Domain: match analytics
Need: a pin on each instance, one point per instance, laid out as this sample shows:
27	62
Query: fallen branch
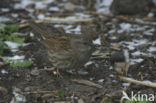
86	82
40	92
149	84
67	20
60	20
120	17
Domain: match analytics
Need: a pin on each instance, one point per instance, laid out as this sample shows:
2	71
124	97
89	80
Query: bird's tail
39	29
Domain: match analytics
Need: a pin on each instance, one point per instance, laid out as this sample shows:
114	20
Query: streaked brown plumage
65	51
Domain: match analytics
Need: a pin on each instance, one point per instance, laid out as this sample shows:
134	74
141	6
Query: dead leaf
35	72
69	6
3	90
49	68
81	101
117	46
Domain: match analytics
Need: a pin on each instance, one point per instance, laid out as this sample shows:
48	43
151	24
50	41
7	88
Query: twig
137	81
86	82
67	20
40	92
60	20
123	18
98	55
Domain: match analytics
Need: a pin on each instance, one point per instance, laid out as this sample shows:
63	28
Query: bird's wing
58	42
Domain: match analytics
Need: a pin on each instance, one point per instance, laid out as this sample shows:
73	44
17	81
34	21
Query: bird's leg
58	73
76	73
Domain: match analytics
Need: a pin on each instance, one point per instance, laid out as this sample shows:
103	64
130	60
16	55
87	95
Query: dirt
39	85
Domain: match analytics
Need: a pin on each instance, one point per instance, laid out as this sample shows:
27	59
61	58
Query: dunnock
65	51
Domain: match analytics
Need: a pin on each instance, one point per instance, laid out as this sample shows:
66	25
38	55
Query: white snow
113	37
82	15
101	80
91	78
147	81
23	4
134	61
139	28
152	49
126	55
5	9
125	26
41	16
3	71
132	45
18	98
97	41
112	31
111	75
77	30
114	81
111	67
149	32
140	42
66	27
78	16
138	53
120	31
54	9
103	5
14	15
126	84
89	63
13	46
38	4
2	19
69	28
31	34
150	15
139	20
16	57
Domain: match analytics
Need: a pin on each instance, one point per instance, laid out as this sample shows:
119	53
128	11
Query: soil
39	85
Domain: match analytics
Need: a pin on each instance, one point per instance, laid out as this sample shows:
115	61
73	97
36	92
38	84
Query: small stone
35	72
131	7
81	101
3	90
27	89
69	6
1	64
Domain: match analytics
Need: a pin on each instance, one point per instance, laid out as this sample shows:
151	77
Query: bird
65	51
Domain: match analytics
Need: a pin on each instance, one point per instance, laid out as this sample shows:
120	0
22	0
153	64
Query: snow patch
126	84
16	57
13	46
103	6
125	26
152	49
4	71
134	61
41	16
101	80
97	41
54	9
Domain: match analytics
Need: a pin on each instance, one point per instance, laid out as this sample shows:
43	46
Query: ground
39	85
